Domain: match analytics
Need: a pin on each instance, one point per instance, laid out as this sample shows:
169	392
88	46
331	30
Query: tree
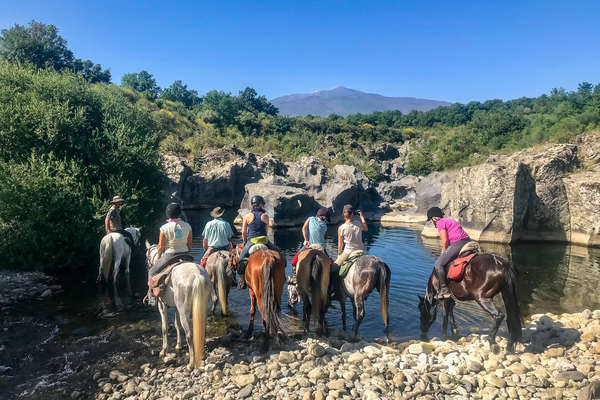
91	72
179	92
249	100
39	44
142	82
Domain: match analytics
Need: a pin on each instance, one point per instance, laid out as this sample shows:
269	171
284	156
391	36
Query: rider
350	234
453	239
113	222
217	235
254	231
313	231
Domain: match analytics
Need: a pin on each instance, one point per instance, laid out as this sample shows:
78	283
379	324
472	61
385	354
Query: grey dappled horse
188	290
220	268
366	274
114	253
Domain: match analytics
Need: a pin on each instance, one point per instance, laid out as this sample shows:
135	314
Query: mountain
344	101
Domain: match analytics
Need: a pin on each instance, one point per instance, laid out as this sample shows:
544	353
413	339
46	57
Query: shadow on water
50	347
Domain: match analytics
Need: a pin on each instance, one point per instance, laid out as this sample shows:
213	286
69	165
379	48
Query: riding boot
444	292
242	272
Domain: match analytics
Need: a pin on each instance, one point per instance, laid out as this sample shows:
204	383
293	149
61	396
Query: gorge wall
549	193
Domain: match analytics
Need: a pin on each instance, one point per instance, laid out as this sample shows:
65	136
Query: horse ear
148	245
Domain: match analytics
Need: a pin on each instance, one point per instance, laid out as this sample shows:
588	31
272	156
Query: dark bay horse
484	277
365	275
313	274
265	277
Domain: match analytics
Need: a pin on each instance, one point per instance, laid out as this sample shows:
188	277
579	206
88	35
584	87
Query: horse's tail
106	258
511	303
221	267
384	291
319	293
270	306
199	311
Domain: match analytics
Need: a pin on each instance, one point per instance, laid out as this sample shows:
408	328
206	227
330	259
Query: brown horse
313	274
365	275
265	277
484	277
221	270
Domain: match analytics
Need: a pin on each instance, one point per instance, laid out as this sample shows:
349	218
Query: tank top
316	231
257	227
176	233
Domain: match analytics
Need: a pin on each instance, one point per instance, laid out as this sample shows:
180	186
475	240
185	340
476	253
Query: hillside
343	101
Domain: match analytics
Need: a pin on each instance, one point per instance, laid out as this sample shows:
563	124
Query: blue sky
454	51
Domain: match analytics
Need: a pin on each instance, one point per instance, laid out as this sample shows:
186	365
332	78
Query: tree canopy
142	82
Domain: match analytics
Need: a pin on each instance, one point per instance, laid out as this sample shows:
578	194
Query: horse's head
428	311
234	253
151	253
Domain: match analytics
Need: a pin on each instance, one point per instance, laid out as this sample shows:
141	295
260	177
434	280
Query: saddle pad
156	279
470	247
345	267
257	247
458	266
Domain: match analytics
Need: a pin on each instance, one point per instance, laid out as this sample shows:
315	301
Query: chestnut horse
485	276
265	277
313	275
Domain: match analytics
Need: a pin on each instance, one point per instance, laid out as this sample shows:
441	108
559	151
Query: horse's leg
128	274
453	324
359	312
178	330
343	308
306	312
116	270
252	312
498	316
445	307
183	312
213	296
162	309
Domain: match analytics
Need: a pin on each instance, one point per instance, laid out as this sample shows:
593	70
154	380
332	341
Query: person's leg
207	254
242	264
440	267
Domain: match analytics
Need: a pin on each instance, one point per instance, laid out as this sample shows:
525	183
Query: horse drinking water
484	277
188	289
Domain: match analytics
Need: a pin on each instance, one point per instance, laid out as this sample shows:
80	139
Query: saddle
257	247
157	283
345	267
457	267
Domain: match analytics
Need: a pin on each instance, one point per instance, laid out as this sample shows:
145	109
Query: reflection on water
81	329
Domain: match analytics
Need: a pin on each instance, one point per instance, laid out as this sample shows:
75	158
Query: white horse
220	268
188	290
114	252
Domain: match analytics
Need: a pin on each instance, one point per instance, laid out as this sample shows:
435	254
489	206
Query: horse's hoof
162	353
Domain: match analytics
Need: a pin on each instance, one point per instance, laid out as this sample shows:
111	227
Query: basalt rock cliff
550	192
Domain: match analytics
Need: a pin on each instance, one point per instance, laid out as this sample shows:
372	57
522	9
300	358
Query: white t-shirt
176	234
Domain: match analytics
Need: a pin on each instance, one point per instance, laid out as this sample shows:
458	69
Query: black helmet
257	200
434	212
173	210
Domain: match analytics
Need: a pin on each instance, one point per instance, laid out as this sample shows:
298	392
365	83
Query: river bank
559	359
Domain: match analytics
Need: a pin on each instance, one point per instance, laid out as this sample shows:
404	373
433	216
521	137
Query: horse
313	275
114	252
188	290
220	268
265	277
484	277
366	274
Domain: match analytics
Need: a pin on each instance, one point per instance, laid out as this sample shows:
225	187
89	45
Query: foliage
142	82
40	45
178	92
81	144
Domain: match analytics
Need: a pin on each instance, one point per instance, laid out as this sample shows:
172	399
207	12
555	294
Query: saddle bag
458	266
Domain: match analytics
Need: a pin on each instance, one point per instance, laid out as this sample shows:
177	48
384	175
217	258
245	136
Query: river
51	347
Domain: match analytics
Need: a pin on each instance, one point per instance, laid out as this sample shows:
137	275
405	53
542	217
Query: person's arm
445	241
340	241
305	232
189	241
245	229
265	218
204	243
363	223
161	245
107	223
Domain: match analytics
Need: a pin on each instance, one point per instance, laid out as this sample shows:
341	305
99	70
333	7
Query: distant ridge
344	101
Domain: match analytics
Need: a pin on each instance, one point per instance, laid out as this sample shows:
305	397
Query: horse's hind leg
252	313
453	324
178	330
128	274
306	312
359	313
162	309
185	324
213	296
343	308
445	312
498	316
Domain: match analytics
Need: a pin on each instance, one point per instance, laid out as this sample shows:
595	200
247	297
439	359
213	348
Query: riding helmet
434	212
257	200
173	210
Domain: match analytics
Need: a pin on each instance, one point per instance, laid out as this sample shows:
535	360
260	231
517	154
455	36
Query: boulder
384	152
583	195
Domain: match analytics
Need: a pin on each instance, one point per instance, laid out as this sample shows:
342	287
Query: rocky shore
19	286
560	358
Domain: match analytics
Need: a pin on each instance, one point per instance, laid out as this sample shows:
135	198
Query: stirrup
443	296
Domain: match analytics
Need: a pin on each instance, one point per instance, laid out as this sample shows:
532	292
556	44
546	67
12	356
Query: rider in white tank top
176	232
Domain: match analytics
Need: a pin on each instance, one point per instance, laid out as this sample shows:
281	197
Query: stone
245	379
47	293
307	395
591	391
316	373
474	365
319	395
75	394
317	350
495	381
245	392
337	384
418	348
114	375
570	375
518	368
356	358
371	395
285	357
